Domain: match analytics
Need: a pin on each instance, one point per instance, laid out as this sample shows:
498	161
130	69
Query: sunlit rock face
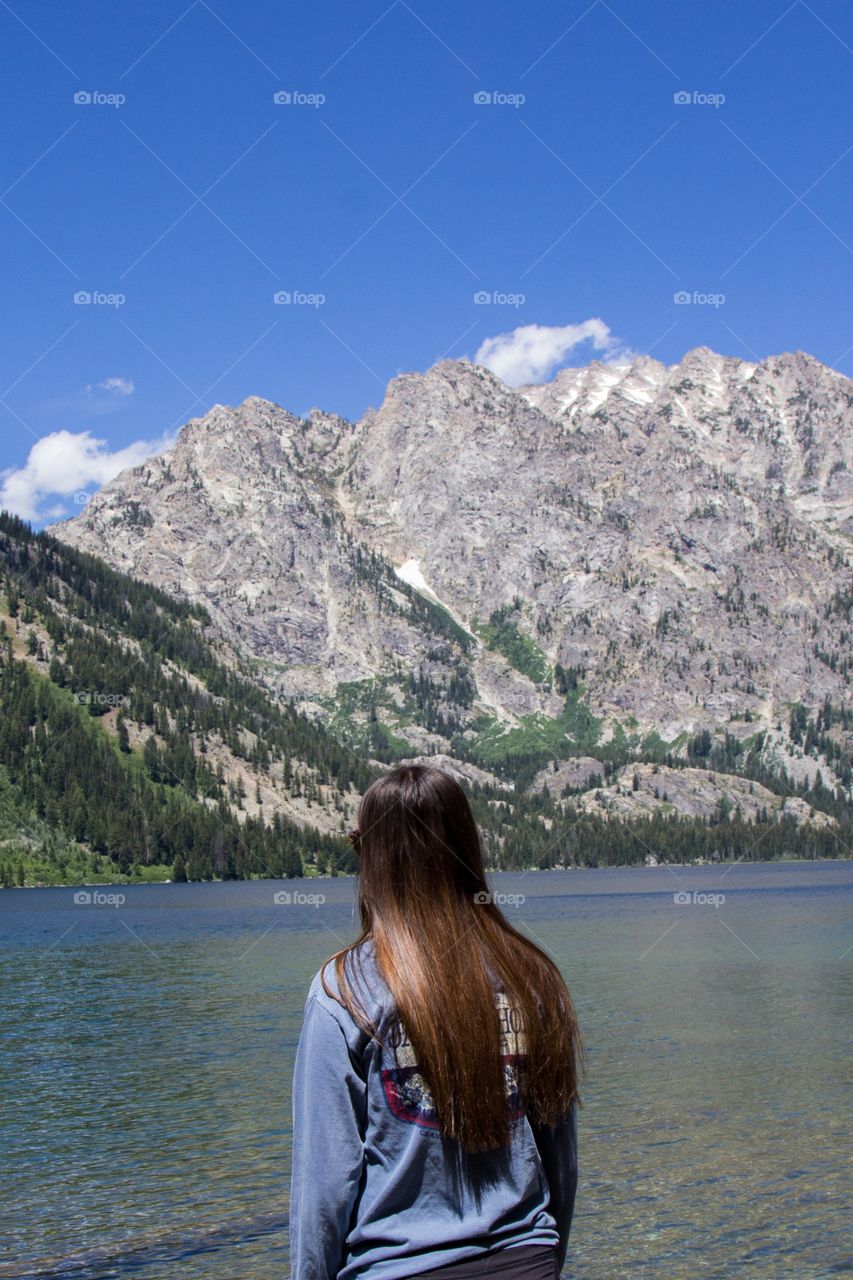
680	534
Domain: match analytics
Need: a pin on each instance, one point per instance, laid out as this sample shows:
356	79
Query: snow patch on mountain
410	571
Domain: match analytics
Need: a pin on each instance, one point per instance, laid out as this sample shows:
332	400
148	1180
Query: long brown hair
440	941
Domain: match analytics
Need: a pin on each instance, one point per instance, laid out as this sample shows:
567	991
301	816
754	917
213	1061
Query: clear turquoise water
147	1050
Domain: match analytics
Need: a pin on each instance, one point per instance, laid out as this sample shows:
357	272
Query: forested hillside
126	731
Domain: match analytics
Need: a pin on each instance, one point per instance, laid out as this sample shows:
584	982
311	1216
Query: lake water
147	1051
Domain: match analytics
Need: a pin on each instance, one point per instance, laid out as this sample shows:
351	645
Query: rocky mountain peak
675	533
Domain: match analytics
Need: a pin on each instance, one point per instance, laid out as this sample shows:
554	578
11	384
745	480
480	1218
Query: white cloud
533	351
65	463
120	386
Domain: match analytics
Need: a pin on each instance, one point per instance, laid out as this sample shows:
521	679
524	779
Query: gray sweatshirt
376	1189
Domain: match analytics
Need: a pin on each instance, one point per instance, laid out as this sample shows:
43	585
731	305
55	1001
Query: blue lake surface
147	1053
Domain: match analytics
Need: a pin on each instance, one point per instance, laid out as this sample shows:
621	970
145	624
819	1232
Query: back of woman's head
418	845
444	949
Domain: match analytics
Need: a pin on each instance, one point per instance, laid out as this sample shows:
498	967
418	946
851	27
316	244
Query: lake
148	1044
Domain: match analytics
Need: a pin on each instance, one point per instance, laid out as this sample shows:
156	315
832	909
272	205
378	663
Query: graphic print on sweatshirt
407	1092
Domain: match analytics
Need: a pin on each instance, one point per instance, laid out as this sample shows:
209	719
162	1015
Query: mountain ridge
672	532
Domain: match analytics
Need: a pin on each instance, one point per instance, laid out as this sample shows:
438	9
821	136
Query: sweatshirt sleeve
558	1150
329	1107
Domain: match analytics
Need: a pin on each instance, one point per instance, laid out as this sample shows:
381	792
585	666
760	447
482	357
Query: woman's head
416	840
444	949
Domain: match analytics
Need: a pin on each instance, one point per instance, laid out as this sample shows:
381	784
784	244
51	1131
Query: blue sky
382	198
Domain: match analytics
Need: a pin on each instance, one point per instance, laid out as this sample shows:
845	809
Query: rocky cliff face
628	550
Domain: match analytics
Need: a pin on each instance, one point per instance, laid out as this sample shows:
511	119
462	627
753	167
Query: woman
436	1078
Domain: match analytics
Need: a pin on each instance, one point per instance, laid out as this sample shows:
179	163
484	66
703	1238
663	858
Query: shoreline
518	871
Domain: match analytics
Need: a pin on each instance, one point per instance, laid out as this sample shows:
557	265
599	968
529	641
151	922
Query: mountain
629	554
618	606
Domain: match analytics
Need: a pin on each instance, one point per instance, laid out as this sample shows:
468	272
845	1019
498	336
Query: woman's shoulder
361	976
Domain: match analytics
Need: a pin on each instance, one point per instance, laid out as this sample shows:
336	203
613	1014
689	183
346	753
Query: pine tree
151	756
123	735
